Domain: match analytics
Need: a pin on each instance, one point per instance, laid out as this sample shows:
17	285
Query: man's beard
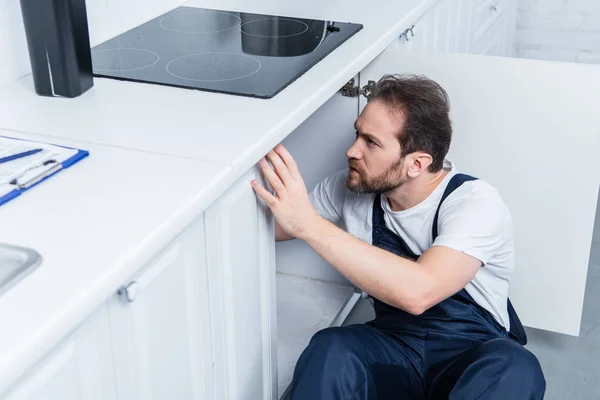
384	183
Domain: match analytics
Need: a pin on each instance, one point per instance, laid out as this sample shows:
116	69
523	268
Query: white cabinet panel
490	26
160	325
486	14
240	242
438	29
463	11
533	131
492	43
79	368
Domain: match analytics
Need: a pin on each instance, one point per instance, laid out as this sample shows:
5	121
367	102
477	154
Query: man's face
374	158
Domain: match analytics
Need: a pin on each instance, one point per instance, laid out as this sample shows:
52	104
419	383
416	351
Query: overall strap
456	182
378	219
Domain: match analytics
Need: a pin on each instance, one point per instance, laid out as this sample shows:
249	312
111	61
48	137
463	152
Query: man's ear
419	162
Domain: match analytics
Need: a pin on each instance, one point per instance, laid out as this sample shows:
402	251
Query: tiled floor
571	364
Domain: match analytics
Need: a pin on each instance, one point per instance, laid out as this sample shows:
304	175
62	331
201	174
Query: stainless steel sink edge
32	259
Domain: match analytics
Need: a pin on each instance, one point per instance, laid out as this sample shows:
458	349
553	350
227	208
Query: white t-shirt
473	219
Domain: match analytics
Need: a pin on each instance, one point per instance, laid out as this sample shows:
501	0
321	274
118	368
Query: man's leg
497	369
358	362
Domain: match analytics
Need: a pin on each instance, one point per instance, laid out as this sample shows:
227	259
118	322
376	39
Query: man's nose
353	151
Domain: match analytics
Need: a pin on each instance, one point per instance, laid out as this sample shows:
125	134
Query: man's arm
410	286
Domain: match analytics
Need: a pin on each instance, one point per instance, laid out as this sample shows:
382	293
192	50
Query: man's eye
371	143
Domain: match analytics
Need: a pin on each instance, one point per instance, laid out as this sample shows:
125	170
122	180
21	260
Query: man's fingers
280	167
288	160
264	194
272	178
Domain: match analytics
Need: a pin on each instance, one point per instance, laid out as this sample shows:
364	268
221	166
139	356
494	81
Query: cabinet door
160	325
493	41
491	27
532	130
79	368
463	10
510	27
437	29
241	267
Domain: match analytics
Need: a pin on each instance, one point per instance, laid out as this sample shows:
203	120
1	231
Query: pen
19	155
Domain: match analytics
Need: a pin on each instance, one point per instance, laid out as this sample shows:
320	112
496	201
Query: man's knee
331	363
518	364
335	342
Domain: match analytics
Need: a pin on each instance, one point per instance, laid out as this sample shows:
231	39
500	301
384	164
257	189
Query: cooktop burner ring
302	26
252	64
233	21
126	50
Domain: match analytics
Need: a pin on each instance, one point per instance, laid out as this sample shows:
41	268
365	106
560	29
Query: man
433	247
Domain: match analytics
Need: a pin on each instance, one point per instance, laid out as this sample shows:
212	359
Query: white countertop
230	129
94	225
94	228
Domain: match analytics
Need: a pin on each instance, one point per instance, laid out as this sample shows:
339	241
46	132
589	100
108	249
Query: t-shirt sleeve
478	225
328	196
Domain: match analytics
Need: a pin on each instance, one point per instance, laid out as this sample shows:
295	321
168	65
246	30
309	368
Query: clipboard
58	166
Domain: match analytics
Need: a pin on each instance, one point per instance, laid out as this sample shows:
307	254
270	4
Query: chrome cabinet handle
411	32
405	33
129	292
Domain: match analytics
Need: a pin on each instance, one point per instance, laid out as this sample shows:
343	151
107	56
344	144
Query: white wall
106	19
14	60
559	30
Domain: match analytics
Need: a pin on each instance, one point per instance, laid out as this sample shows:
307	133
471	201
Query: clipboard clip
37	178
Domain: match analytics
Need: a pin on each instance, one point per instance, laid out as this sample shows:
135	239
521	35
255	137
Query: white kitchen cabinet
490	26
533	132
241	266
80	367
439	29
465	26
492	41
160	325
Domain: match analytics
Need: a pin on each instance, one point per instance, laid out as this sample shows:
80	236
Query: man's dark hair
424	107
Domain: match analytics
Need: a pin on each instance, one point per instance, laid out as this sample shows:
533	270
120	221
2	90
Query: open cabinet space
304	307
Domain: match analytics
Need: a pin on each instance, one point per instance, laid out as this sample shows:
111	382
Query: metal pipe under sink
15	263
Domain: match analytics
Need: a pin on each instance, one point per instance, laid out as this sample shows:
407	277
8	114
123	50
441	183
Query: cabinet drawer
486	14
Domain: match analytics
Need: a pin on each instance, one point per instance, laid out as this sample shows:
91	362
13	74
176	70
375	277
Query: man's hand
291	205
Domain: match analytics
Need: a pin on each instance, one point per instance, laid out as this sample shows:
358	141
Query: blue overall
454	350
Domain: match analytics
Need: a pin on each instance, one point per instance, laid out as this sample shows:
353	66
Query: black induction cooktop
220	51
